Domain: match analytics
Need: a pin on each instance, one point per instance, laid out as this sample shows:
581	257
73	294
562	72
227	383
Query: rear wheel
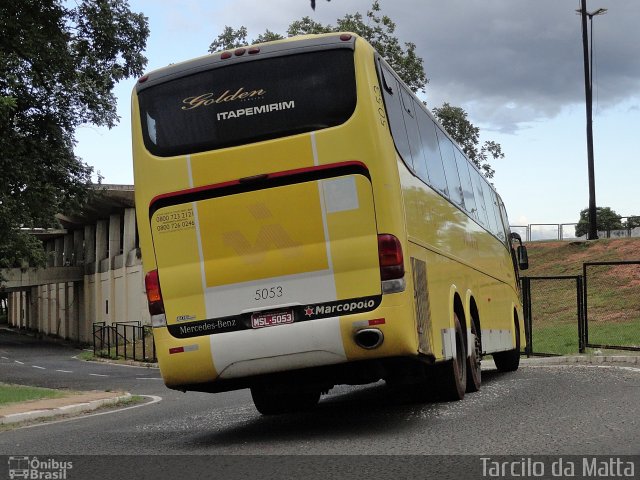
474	373
509	361
274	400
451	376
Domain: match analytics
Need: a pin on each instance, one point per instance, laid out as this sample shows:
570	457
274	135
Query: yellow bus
305	222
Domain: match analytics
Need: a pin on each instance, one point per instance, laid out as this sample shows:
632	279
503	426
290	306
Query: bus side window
450	169
505	219
467	187
393	104
500	232
435	170
411	122
491	209
477	180
388	82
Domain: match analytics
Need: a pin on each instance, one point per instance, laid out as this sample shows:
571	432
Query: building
93	274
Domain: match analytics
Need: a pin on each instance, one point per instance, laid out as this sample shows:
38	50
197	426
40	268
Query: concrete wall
111	289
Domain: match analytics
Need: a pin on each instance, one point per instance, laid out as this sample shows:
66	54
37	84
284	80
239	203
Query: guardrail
567	231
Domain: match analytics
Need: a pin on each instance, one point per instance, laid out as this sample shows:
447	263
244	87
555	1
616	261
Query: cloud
515	61
507	62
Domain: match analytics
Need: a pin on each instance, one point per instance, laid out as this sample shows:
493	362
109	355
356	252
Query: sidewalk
71	405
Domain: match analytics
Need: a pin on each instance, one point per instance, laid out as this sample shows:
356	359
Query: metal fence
567	231
553	310
124	340
598	309
609	284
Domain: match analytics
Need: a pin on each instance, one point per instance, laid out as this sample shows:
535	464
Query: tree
229	39
606	219
379	31
455	121
59	63
632	222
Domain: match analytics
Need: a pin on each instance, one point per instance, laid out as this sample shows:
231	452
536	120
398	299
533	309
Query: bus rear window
249	102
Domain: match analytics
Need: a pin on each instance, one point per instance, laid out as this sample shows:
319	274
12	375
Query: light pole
588	84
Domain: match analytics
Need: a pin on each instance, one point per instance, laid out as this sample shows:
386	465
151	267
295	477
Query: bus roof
289	46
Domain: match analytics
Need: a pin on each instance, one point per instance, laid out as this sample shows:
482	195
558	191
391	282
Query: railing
124	340
567	231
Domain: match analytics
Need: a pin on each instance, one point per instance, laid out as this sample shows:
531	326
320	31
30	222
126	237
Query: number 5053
267	293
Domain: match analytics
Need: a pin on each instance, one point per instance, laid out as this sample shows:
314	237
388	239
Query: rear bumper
236	359
323	377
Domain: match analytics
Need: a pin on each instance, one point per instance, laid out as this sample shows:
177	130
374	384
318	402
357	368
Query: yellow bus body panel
232	250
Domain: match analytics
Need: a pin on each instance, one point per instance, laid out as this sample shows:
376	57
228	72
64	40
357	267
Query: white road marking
148	378
4	358
98	375
36	366
18	361
64	371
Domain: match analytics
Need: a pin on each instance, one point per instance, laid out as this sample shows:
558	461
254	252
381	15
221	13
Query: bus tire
277	400
509	361
451	376
474	372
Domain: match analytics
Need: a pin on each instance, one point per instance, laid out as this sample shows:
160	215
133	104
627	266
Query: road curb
72	409
125	363
582	359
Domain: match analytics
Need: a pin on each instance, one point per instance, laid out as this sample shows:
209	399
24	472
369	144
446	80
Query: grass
105	353
563	339
612	297
18	393
627	334
559	339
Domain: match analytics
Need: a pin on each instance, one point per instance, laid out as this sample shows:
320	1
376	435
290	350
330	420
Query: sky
515	66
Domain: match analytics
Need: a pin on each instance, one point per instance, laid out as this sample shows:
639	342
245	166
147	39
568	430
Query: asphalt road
545	410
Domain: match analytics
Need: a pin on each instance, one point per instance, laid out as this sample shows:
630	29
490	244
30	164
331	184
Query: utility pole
588	84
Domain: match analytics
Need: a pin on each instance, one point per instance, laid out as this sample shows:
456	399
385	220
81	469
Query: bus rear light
390	257
239	51
154	294
253	51
225	55
143	79
345	37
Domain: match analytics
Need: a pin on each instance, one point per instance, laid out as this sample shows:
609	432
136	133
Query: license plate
271	319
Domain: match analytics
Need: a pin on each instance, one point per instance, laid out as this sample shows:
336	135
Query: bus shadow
366	410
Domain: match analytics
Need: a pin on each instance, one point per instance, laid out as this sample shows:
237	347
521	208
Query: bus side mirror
523	258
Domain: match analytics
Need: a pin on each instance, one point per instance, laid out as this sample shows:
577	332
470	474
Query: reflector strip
368	323
186	348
